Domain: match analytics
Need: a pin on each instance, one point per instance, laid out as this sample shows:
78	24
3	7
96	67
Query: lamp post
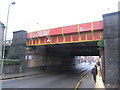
5	33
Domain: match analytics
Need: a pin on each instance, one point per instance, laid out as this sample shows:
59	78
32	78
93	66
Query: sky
35	15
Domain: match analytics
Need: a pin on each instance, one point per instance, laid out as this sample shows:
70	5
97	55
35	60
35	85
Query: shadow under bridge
60	54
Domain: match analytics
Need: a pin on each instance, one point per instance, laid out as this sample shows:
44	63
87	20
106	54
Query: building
2	27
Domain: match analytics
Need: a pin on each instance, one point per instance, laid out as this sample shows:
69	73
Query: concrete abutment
111	39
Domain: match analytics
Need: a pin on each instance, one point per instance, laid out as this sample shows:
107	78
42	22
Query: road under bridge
59	46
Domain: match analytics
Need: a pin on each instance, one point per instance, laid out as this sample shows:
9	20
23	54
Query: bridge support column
18	47
111	40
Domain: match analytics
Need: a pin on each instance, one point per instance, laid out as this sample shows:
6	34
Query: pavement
88	82
19	75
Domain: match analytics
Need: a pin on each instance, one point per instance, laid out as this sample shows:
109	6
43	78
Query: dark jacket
94	71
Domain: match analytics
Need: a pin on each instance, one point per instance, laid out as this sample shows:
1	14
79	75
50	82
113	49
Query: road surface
66	79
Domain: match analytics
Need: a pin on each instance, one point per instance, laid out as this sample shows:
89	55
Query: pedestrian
43	67
94	72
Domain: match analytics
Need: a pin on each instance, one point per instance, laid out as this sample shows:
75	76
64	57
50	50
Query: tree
101	43
13	54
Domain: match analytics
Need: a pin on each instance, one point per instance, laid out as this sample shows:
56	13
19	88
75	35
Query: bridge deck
70	34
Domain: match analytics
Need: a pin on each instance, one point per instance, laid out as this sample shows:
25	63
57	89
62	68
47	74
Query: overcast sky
34	15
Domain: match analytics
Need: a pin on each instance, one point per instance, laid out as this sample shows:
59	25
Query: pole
6	32
6	29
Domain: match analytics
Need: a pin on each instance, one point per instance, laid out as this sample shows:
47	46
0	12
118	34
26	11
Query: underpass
54	52
59	46
58	61
43	46
60	56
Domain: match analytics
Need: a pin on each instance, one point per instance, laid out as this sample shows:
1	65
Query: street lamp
5	33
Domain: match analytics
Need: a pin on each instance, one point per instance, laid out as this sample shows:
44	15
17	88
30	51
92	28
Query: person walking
94	72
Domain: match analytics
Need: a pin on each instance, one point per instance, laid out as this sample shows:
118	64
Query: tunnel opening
88	60
60	57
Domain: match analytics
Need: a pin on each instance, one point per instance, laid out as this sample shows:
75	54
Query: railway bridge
56	47
67	42
77	39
